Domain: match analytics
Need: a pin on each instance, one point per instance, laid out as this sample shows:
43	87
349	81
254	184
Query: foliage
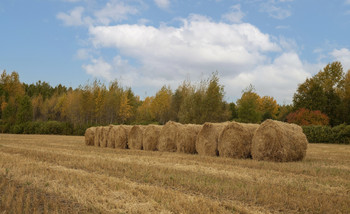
325	134
323	92
305	117
248	106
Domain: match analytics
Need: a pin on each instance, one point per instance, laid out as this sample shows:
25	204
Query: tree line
40	108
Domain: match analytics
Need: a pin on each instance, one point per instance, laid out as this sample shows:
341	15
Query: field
59	174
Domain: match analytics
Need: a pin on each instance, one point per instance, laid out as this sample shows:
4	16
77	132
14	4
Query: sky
146	44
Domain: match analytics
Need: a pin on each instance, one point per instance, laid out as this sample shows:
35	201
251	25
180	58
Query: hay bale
167	138
111	136
186	138
207	139
97	136
151	137
104	135
135	137
90	136
278	141
121	136
235	140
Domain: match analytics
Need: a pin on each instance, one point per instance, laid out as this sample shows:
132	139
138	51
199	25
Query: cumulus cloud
235	15
73	17
99	68
164	4
114	11
342	55
168	55
197	46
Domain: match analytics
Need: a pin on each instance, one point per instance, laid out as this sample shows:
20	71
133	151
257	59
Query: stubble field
59	174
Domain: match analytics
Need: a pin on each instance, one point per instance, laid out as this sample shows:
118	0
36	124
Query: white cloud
164	4
235	15
342	55
73	18
114	11
200	45
99	68
168	55
275	9
83	54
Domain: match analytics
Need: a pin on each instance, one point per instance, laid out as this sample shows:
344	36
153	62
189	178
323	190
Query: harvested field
59	174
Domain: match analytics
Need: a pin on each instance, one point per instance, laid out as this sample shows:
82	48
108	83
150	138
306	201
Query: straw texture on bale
135	137
278	141
167	138
97	136
151	137
186	138
207	139
104	136
235	140
90	136
121	137
112	136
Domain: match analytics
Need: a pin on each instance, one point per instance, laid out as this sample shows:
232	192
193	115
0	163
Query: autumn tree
322	92
160	106
248	106
144	114
268	107
215	109
125	109
305	117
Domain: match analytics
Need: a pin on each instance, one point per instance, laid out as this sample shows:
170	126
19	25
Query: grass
59	174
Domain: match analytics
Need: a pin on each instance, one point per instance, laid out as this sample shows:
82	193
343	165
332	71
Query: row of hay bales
272	140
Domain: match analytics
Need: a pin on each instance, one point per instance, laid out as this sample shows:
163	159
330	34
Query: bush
325	134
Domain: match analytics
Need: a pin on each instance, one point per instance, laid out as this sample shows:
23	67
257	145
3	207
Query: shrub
305	117
325	134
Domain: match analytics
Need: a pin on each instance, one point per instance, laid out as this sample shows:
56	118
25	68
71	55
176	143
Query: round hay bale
104	135
167	138
207	139
90	136
135	137
235	140
121	136
111	136
186	138
151	137
279	141
97	136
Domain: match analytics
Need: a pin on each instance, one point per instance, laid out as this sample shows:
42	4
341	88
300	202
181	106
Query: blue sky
145	44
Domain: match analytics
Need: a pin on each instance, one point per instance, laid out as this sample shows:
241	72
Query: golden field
59	174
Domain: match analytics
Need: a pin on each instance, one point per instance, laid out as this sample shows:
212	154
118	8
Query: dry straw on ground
235	140
90	136
278	141
186	138
135	137
97	136
167	138
151	137
207	139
